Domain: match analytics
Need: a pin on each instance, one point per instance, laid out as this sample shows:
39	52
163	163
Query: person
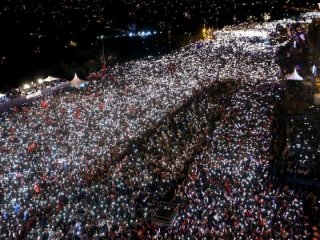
96	172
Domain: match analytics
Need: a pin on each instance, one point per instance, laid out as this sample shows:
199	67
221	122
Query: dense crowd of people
193	126
301	152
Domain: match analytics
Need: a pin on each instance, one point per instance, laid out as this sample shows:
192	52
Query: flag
36	188
32	147
77	113
102	106
44	104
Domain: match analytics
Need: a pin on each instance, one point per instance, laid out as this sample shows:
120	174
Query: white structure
50	79
294	76
77	82
3	97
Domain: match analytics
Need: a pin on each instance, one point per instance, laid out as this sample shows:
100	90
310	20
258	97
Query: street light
102	49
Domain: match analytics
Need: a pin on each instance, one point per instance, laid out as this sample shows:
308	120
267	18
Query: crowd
178	15
301	153
229	193
193	126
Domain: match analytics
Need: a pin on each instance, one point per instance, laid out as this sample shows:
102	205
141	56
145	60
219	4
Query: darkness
35	36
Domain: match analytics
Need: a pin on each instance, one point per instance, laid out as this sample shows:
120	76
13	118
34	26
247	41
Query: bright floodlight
26	86
40	80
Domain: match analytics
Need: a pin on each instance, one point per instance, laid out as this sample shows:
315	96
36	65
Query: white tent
50	79
77	82
294	76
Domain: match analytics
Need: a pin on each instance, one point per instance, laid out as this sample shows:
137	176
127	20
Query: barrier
20	101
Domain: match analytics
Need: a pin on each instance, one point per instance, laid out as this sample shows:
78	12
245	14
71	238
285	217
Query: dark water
60	39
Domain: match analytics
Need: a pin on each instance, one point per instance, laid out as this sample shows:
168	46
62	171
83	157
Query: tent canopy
77	82
50	79
294	76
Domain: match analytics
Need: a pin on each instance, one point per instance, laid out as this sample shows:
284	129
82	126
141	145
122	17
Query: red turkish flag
32	147
102	106
77	113
36	188
44	104
15	109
